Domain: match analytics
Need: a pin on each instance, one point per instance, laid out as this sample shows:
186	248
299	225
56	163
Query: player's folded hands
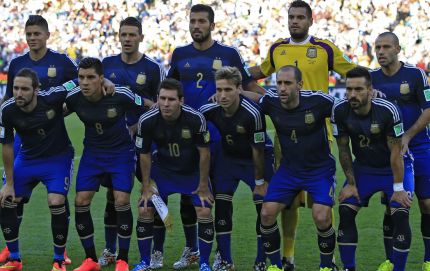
261	190
348	191
205	195
146	193
403	198
7	191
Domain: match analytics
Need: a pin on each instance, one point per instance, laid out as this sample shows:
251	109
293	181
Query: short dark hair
131	21
358	72
391	35
204	8
92	62
301	4
29	73
37	20
172	84
297	72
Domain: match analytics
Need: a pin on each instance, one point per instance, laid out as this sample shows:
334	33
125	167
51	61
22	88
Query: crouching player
374	127
180	166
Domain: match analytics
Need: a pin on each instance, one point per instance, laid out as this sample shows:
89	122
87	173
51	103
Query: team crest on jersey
112	113
112	76
309	117
141	79
217	64
52	71
50	114
240	129
186	133
404	88
374	128
311	52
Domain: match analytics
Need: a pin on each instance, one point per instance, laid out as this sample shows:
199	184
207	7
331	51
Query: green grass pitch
36	239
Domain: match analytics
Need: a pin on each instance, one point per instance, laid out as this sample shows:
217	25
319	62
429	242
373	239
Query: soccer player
142	75
315	58
108	155
52	68
307	164
375	128
407	86
46	156
194	66
181	165
242	128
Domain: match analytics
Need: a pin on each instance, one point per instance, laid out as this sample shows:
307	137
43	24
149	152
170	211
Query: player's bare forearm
419	125
256	73
251	95
145	168
258	159
8	157
204	164
254	87
345	158
396	159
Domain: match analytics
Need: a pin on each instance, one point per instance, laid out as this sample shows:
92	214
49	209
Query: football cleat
4	255
156	260
273	268
287	265
326	269
11	265
426	266
121	266
88	265
188	258
107	258
67	260
225	266
58	266
260	266
205	267
142	266
386	266
217	261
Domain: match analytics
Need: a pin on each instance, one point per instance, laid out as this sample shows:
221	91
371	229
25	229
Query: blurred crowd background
90	28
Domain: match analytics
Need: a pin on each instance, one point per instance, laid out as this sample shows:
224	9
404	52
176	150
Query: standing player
46	156
52	68
142	75
194	66
407	87
307	164
315	58
374	127
181	165
242	128
108	155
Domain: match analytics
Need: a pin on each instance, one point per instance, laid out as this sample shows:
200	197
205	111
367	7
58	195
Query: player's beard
202	39
26	103
299	36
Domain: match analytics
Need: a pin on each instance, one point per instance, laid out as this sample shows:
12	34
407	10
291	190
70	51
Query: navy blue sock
272	240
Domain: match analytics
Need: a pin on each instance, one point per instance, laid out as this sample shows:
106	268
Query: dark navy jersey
410	91
246	128
42	130
176	141
196	70
369	133
302	132
53	69
142	77
104	120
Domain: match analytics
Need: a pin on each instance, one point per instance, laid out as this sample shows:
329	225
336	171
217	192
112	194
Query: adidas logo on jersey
187	65
112	75
283	53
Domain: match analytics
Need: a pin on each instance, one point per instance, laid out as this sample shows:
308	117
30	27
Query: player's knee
56	199
268	216
223	215
203	212
147	213
121	198
402	230
322	217
424	206
82	199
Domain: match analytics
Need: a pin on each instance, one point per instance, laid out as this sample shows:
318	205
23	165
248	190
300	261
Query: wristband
259	181
398	187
